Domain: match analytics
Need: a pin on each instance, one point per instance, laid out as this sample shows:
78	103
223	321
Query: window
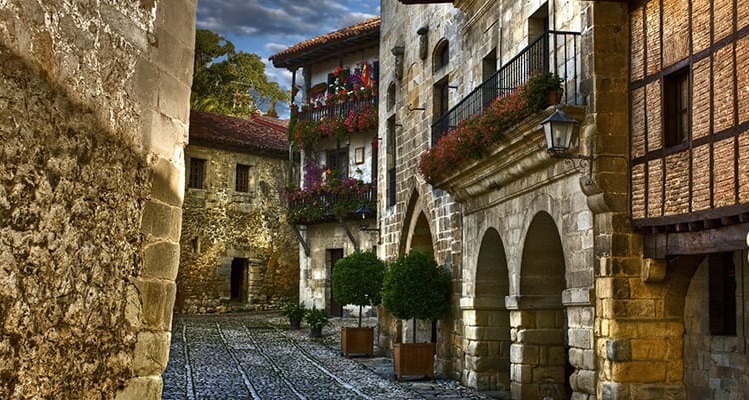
196	179
722	281
391	97
441	55
337	160
243	178
391	161
676	93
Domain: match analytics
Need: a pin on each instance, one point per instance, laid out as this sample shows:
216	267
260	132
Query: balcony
335	108
328	202
555	52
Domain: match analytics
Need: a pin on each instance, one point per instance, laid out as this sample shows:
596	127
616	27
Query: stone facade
95	108
237	251
565	287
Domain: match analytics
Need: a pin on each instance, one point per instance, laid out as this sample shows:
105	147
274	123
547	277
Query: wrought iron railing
334	109
325	204
554	51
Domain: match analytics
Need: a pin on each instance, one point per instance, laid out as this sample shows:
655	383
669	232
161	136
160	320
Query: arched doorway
538	319
487	321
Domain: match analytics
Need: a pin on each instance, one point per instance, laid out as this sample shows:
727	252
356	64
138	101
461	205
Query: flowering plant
469	139
333	197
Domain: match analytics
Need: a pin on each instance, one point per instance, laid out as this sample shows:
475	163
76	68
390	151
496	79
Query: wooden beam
727	238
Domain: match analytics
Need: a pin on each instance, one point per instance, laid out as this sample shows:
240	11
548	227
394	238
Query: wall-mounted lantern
558	129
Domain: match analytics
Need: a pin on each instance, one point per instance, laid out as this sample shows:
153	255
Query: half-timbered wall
706	175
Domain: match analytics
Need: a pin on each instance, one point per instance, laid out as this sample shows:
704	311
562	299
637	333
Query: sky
265	27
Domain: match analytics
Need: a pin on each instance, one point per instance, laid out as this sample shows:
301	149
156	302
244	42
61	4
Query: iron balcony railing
330	110
326	204
554	51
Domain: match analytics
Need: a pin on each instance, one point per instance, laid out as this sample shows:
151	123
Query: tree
228	81
357	280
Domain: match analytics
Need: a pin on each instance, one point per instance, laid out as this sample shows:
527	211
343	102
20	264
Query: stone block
141	388
524	354
161	260
615	391
157	300
524	319
581	338
151	353
541	336
521	373
168	184
161	221
585	381
618	350
639	371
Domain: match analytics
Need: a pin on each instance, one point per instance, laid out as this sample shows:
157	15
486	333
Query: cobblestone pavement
255	356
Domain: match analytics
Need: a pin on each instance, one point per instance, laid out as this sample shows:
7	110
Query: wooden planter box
357	341
413	359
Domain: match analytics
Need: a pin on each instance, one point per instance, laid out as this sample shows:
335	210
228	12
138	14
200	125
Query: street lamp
364	211
558	130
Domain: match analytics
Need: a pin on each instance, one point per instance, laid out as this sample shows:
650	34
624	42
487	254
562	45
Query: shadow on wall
72	196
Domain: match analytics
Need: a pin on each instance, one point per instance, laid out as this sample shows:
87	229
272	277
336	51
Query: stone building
236	250
334	127
611	269
95	105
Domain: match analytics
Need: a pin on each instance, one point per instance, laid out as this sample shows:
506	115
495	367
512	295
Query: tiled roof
263	134
364	33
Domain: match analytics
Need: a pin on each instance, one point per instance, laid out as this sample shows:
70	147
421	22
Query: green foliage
416	287
316	318
227	81
357	279
294	311
538	88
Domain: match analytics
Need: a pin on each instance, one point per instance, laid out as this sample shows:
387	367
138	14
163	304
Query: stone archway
487	321
538	352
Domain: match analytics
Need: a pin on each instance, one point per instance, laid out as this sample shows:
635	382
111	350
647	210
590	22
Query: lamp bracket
579	162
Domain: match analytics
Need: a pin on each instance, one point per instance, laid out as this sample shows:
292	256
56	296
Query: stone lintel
584	296
482	303
530	302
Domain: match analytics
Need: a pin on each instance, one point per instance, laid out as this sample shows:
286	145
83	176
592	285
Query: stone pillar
537	352
486	344
164	77
579	303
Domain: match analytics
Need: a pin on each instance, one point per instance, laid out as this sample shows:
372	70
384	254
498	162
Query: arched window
441	54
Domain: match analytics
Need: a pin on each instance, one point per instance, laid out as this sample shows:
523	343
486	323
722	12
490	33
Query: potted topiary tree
415	287
295	312
316	319
357	279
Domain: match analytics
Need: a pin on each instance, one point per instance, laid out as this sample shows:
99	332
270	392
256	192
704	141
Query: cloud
266	27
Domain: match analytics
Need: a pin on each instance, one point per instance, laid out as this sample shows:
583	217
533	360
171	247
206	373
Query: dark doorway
334	255
239	279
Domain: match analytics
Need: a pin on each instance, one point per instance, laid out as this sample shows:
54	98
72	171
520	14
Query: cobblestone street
254	356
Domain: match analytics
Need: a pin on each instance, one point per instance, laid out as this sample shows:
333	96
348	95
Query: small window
391	97
243	178
197	173
337	161
676	108
722	280
441	55
391	149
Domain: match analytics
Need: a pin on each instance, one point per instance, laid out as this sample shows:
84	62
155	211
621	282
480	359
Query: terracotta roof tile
263	134
319	46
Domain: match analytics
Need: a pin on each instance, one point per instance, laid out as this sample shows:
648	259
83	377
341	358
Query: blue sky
265	27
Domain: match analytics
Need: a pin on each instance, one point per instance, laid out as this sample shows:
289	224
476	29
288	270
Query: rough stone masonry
94	106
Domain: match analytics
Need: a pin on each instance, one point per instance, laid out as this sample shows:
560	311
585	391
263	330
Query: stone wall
95	105
220	225
441	229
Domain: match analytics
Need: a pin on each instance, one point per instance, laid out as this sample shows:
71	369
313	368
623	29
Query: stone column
486	344
537	352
